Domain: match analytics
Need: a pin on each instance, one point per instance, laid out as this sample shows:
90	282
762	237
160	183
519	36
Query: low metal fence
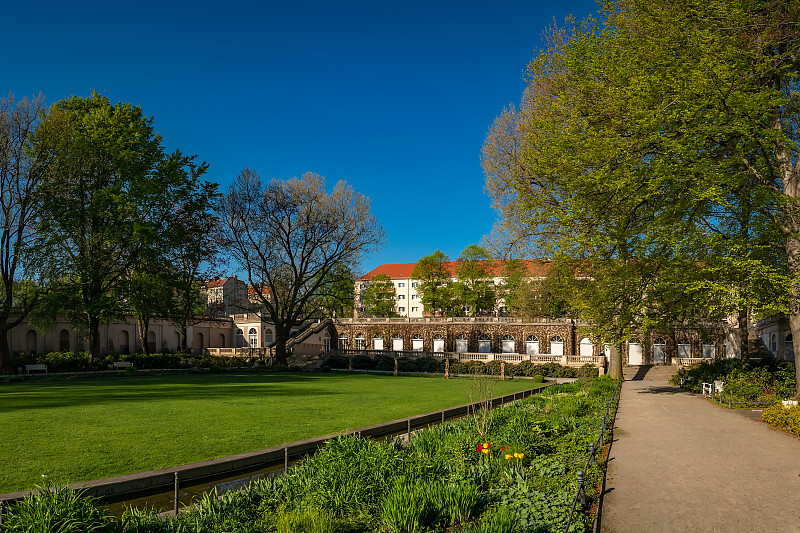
594	449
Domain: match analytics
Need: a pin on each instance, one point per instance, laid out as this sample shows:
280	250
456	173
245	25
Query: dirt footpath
680	463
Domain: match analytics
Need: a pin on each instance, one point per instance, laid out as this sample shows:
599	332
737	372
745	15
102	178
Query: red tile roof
536	267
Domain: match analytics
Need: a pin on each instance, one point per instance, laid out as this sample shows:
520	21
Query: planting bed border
130	486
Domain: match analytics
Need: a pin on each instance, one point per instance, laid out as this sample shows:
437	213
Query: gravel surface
681	463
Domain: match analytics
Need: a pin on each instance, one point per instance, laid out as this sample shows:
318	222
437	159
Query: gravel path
681	463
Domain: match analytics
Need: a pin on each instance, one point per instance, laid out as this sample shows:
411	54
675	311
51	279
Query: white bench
711	388
119	365
35	368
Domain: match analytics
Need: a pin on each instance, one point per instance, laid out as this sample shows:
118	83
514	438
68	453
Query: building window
708	351
343	342
507	344
360	342
401	296
484	344
414	296
773	344
556	346
684	349
401	285
401	309
414	309
414	284
532	345
397	343
586	347
252	337
416	343
461	343
438	343
377	342
239	338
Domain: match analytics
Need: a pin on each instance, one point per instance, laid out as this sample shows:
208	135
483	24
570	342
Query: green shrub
57	510
410	507
787	419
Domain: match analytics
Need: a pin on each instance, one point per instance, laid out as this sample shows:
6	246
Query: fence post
286	459
591	453
177	494
581	492
409	431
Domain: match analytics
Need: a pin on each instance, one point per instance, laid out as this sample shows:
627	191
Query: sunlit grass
84	430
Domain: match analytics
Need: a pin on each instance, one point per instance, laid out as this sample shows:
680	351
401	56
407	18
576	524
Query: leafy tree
379	296
337	294
434	276
290	237
638	134
23	163
472	288
109	200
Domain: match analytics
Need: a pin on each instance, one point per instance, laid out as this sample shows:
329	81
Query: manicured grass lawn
84	430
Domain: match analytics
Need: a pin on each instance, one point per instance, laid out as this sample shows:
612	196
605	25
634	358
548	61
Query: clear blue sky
393	97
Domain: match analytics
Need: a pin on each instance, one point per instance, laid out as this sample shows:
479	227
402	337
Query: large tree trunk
94	337
615	365
5	353
744	335
281	355
143	325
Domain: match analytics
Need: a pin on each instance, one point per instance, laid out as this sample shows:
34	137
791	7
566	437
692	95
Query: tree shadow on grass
155	388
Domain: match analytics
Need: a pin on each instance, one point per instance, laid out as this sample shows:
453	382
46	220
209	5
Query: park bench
35	368
711	388
119	365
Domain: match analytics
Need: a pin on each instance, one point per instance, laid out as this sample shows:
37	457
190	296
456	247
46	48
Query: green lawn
84	430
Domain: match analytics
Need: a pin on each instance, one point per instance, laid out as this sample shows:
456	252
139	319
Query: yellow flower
508	456
519	455
485	450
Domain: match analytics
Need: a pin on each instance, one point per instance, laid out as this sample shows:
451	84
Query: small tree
379	296
472	288
434	278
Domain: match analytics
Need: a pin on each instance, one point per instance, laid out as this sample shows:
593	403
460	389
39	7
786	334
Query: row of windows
461	344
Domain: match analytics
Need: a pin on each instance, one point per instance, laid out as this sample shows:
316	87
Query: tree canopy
112	204
289	237
657	146
379	297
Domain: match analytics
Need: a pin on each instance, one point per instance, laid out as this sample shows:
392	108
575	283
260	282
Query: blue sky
393	97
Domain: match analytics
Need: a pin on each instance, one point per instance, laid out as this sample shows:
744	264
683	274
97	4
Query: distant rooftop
536	267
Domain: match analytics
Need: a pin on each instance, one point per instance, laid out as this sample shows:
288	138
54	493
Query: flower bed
519	475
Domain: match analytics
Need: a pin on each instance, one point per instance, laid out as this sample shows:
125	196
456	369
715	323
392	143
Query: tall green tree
108	201
434	276
474	287
637	127
379	296
337	294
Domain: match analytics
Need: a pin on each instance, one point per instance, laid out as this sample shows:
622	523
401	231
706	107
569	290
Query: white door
556	346
397	344
586	347
377	343
634	353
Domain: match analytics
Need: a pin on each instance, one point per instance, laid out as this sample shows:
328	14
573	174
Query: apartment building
408	302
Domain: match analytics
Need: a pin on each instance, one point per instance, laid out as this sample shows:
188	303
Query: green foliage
56	510
759	381
434	277
787	419
379	297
